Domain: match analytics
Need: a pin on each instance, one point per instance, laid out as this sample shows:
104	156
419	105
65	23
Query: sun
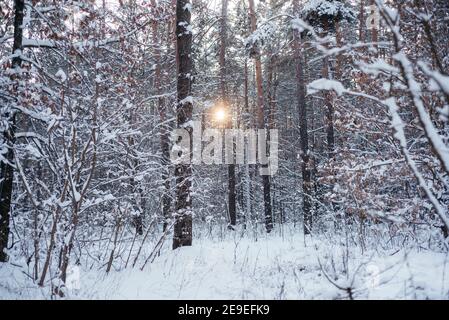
220	115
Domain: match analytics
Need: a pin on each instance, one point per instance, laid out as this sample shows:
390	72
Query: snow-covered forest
224	149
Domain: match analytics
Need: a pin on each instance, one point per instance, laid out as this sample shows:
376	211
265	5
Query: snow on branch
438	80
259	38
38	43
326	84
326	13
398	126
414	89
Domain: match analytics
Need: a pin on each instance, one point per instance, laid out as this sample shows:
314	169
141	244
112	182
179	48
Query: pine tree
183	172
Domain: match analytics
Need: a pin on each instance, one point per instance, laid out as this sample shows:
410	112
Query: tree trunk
362	21
247	123
304	137
271	101
374	31
183	224
164	132
261	123
231	167
7	165
328	98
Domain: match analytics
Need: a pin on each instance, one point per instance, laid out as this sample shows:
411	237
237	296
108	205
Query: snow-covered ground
273	267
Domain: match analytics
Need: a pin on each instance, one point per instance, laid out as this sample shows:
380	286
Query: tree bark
362	21
304	137
183	219
164	131
328	98
7	165
231	167
260	115
247	122
374	31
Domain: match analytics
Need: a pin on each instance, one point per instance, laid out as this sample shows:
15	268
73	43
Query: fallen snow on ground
273	267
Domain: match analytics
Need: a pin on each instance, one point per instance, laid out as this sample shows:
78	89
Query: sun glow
220	115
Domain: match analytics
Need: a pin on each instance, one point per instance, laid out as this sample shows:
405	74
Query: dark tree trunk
231	167
267	203
7	166
261	122
232	196
304	137
223	43
183	219
329	112
362	21
328	98
270	115
374	31
166	199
